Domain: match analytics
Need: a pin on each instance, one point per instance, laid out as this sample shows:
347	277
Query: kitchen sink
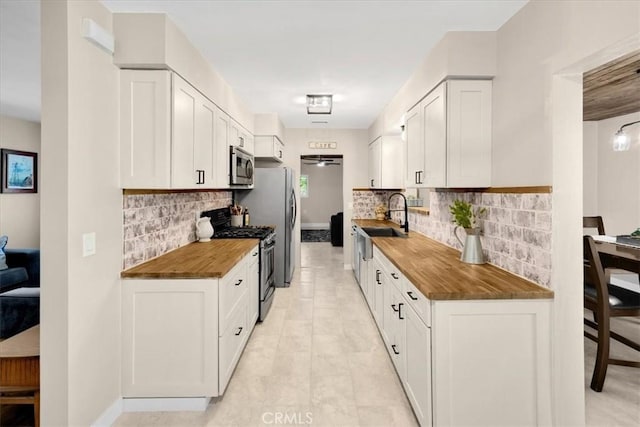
384	232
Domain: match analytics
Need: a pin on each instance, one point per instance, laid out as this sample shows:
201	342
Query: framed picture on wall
19	171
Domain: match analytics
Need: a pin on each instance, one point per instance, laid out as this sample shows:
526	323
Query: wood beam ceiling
612	89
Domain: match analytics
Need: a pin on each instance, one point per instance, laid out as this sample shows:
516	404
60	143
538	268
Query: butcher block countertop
196	260
436	270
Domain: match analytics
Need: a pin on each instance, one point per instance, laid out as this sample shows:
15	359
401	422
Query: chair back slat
594	222
594	273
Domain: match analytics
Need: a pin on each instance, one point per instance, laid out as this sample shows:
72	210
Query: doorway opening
321	199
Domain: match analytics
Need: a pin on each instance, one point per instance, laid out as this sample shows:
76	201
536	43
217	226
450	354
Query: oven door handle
270	291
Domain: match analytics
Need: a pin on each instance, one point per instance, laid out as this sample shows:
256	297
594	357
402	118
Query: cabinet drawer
232	288
395	276
231	344
418	302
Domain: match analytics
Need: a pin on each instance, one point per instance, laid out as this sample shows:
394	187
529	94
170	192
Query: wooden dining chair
605	301
593	222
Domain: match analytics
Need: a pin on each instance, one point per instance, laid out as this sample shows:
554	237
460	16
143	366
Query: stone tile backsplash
516	227
154	224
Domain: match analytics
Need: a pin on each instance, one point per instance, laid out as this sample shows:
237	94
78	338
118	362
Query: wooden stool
20	370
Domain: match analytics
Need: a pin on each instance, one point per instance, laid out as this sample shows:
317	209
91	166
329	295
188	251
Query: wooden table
619	256
20	370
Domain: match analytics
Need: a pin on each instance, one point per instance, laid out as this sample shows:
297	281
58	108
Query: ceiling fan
322	160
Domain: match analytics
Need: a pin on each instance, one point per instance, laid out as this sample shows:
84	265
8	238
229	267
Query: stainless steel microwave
241	170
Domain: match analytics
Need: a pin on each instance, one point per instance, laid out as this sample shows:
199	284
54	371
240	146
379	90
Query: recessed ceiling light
319	104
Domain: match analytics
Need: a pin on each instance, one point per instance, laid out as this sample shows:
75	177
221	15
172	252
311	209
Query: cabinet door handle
239	331
241	139
200	176
372	183
394	276
416	178
203	177
280	155
411	296
394	349
255	254
378	277
393	306
420	177
400	311
239	281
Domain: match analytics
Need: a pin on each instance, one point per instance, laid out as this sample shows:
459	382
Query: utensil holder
236	220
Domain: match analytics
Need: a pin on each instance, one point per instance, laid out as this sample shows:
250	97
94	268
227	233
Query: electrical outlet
89	244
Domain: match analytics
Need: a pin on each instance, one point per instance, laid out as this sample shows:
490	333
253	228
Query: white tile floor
317	359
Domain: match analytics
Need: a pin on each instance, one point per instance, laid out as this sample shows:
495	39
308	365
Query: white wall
80	300
20	213
614	193
325	194
353	146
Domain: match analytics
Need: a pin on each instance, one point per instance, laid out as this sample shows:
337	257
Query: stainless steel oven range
221	221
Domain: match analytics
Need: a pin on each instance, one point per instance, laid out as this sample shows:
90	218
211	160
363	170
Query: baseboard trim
314	226
110	415
166	404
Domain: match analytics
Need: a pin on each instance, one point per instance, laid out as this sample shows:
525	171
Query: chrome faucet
406	211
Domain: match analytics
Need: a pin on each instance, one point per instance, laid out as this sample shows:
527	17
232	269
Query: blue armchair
23	271
19	291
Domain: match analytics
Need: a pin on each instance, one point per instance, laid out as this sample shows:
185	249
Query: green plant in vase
465	216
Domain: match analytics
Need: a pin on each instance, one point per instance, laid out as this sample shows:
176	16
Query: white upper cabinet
469	133
145	129
374	163
449	136
385	162
222	164
192	148
415	148
172	136
268	147
240	137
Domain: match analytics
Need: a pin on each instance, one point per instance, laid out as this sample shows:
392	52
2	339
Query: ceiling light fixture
621	140
319	104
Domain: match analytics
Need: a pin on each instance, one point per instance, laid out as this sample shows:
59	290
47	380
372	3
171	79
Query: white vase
204	229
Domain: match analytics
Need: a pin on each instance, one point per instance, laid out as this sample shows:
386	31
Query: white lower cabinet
170	338
184	337
417	380
465	362
232	342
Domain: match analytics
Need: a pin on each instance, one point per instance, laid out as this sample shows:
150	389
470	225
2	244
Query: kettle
471	248
204	229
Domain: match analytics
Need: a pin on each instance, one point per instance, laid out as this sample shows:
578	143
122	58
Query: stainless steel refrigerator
273	202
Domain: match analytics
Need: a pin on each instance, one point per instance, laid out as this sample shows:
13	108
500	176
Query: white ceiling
273	53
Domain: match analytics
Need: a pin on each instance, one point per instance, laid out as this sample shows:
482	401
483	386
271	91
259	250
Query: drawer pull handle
400	311
378	277
255	254
394	349
239	331
411	296
239	281
393	306
394	276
